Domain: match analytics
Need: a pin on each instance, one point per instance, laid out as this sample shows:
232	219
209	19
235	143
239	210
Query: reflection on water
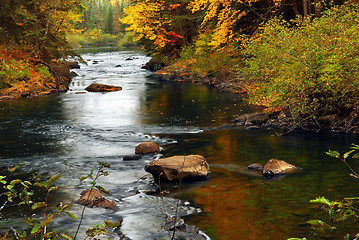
70	133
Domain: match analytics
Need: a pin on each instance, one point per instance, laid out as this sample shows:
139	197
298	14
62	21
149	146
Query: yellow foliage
147	20
225	13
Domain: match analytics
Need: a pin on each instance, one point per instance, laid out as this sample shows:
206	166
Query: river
69	133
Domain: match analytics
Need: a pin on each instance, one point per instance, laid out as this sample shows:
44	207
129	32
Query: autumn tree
168	25
40	25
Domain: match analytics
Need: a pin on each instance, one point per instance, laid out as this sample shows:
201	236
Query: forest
295	56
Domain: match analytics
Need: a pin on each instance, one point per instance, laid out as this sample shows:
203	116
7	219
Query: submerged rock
255	166
147	147
176	168
132	157
93	197
275	166
97	87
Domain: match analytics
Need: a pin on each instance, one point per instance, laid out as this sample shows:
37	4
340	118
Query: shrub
310	66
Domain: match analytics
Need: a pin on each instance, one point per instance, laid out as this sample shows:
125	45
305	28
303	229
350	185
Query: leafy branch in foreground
338	211
20	192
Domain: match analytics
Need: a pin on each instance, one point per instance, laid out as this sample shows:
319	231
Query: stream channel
69	133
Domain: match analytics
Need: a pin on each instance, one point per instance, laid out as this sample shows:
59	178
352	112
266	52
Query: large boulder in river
147	147
275	167
179	168
97	87
94	198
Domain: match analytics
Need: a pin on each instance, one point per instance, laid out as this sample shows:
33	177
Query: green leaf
41	184
10	186
53	188
13	168
296	239
104	190
14	182
346	155
66	236
71	215
104	164
38	205
334	154
53	179
320	226
36	228
321	200
83	178
355	155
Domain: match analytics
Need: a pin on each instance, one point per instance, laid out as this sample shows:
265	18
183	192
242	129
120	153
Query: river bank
37	84
279	120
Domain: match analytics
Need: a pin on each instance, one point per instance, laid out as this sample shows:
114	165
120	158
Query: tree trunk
305	8
295	8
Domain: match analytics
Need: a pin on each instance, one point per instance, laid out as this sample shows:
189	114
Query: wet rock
176	168
73	74
118	66
154	64
93	197
129	59
132	157
95	62
250	119
97	87
72	65
275	166
256	167
147	147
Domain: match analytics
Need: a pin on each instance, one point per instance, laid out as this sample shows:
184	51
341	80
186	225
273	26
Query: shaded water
68	134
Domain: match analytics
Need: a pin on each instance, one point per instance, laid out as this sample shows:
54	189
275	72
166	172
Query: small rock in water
132	157
97	87
93	197
176	168
147	147
275	166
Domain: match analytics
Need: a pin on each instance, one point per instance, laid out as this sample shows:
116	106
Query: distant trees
103	15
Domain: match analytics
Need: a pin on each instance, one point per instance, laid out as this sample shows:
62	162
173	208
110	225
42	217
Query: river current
69	133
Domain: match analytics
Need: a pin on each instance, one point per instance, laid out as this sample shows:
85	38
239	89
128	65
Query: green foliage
204	62
20	192
310	66
14	70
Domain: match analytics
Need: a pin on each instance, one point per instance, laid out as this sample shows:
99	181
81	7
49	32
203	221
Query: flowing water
69	133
